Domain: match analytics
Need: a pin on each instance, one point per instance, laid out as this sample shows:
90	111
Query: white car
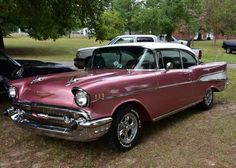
83	55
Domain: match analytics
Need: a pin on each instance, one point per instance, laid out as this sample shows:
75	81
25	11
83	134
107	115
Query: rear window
145	39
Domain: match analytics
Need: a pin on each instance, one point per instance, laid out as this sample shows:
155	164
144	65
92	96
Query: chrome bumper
80	129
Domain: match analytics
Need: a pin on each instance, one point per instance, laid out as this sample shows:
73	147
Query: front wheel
125	130
228	50
208	99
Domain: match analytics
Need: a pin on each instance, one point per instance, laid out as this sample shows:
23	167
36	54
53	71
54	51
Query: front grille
46	114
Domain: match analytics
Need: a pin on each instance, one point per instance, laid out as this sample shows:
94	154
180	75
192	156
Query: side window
127	58
171	57
145	39
125	40
188	60
147	61
105	59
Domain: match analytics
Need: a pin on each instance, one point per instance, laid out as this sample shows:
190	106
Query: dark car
229	46
11	69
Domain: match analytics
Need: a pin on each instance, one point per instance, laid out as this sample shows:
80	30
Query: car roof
152	45
137	35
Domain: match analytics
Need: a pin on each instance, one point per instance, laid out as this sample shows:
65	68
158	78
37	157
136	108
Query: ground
192	138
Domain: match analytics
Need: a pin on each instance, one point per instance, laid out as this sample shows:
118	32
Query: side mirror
169	65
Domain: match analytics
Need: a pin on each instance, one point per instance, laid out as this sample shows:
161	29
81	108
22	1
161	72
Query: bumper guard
82	130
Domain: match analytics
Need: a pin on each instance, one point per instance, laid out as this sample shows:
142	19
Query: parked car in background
124	86
172	39
229	46
11	69
83	55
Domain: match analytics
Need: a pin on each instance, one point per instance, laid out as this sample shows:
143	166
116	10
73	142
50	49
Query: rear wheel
208	99
125	130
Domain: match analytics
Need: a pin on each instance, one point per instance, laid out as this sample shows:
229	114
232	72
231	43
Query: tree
175	13
127	9
220	17
146	21
110	25
7	19
229	18
166	16
49	19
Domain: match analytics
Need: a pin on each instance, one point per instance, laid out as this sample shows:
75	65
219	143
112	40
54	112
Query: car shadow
31	51
149	129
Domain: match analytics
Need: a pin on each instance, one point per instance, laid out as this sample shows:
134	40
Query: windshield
123	58
2	57
7	66
113	41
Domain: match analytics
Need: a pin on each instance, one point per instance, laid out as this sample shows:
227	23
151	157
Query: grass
64	49
229	95
214	53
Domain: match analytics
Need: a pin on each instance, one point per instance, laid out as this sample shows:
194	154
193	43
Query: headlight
12	92
81	97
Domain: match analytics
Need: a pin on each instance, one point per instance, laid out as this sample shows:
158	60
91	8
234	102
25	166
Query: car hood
55	89
231	43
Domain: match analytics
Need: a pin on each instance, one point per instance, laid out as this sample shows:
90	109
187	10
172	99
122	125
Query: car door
174	82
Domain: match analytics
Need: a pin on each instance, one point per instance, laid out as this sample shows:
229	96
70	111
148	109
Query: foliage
166	16
127	9
50	19
220	16
229	17
111	24
146	21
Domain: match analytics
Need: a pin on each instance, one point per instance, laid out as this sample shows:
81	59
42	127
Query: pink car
124	86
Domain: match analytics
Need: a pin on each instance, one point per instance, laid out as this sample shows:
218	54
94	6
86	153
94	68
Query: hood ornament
72	80
37	79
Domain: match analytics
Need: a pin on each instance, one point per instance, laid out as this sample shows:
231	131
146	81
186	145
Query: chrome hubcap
208	97
127	128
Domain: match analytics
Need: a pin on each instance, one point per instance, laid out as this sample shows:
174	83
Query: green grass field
64	49
214	53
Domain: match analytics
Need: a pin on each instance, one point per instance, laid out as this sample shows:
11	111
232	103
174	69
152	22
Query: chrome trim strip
176	84
220	75
141	91
126	94
37	79
30	105
175	111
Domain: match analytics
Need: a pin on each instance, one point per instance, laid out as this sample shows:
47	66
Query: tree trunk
2	47
168	37
130	31
199	37
214	39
